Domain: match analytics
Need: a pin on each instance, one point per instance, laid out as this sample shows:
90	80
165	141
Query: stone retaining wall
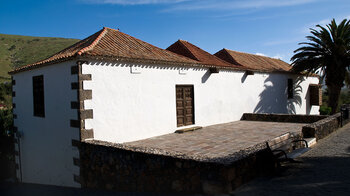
292	118
103	166
319	125
322	128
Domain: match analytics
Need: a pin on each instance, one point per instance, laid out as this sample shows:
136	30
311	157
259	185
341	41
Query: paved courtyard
219	140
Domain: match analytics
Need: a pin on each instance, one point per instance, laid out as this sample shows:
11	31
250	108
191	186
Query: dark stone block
85	77
76	161
86	114
74	69
75	123
86	134
76	143
74	85
85	94
74	105
76	178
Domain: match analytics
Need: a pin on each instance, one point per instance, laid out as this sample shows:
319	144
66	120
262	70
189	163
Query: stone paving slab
220	140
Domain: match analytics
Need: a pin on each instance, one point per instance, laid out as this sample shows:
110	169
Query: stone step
311	141
298	152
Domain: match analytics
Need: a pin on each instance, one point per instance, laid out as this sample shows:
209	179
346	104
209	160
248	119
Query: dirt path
325	171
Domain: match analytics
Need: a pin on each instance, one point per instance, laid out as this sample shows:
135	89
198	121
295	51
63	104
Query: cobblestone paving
325	171
219	140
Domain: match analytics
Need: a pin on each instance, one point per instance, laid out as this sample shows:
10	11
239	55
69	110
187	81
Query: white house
114	87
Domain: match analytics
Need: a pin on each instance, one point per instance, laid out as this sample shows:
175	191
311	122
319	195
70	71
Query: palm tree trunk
333	101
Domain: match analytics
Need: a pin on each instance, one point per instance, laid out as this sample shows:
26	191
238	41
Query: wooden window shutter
290	89
315	94
38	96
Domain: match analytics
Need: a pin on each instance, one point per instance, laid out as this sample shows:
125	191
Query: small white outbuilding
116	88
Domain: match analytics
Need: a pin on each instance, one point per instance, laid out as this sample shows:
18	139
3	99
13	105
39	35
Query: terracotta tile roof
64	54
189	50
114	44
252	61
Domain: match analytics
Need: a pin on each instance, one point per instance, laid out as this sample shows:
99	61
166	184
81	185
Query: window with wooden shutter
315	94
184	105
38	96
290	89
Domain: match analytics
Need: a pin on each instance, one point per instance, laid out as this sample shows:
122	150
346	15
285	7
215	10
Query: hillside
17	50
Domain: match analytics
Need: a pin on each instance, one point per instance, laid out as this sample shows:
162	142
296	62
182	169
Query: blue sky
270	27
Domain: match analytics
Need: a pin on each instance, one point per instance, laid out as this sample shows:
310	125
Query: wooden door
184	105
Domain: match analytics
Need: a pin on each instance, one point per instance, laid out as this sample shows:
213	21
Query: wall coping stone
325	120
292	118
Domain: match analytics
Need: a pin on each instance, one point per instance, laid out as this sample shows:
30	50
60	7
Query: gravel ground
325	170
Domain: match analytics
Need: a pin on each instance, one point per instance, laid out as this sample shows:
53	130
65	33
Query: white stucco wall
46	145
131	106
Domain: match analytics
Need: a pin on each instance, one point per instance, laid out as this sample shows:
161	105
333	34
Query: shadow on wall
206	76
307	98
274	98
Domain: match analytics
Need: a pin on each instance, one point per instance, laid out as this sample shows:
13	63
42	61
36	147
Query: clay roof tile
112	43
252	61
189	50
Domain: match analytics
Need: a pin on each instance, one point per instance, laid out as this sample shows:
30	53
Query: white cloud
207	4
234	5
132	2
277	56
260	54
324	22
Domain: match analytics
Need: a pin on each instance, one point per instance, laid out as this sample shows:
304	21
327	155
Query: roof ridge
209	53
94	43
144	42
229	56
212	56
252	54
186	48
193	46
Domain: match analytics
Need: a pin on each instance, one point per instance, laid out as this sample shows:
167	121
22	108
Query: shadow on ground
315	176
17	189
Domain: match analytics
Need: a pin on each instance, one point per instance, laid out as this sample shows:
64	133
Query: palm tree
327	53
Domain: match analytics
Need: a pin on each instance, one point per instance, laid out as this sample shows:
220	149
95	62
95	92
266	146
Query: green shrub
7	169
324	110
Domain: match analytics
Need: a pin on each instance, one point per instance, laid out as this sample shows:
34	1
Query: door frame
193	105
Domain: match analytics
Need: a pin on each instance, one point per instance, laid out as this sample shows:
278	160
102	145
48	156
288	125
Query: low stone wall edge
323	127
291	118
